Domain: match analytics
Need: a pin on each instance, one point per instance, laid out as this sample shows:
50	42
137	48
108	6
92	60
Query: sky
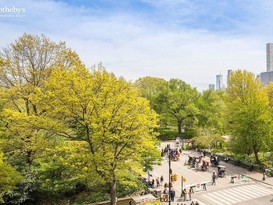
192	40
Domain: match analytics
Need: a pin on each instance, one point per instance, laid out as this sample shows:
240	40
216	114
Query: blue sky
192	40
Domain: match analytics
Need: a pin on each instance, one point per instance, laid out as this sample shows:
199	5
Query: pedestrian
166	191
153	183
184	192
190	192
172	194
161	180
157	182
213	178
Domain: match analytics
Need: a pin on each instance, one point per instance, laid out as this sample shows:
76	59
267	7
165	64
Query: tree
210	118
211	107
150	88
179	102
105	113
25	65
248	114
269	91
207	137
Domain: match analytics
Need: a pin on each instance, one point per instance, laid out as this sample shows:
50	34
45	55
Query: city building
211	86
228	75
269	57
267	77
219	82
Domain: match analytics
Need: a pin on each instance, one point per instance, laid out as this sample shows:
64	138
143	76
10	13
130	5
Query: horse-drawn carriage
174	155
193	161
214	161
205	165
221	171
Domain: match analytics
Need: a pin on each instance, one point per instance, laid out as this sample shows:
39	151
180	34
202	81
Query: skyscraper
267	77
211	87
269	57
219	82
228	75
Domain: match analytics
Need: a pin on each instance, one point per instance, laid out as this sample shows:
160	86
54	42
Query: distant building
211	86
219	82
269	57
228	75
267	77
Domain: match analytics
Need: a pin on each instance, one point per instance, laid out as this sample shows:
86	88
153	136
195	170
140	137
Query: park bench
203	185
232	179
243	178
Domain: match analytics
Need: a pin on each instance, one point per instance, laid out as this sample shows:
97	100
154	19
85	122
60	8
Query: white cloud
133	46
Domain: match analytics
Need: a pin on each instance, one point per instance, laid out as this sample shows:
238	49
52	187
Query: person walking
161	180
213	178
157	182
172	194
153	183
185	194
190	192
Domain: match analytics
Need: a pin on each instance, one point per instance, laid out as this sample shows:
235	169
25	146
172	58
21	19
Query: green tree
207	137
211	110
25	65
109	117
269	90
210	118
248	114
150	88
178	102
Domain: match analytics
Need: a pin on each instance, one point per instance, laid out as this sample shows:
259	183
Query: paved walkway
231	169
195	176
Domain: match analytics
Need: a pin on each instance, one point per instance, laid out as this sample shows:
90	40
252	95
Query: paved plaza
224	192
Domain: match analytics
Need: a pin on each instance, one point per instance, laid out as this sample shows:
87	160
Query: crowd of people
167	189
155	183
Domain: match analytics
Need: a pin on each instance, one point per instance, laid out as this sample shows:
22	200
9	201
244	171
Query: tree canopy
178	101
106	113
248	114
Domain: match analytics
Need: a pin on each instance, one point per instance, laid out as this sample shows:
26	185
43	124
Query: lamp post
170	172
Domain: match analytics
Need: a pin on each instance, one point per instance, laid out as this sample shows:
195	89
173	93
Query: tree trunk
179	126
113	189
255	150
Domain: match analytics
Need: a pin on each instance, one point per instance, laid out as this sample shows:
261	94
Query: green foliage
178	102
24	190
211	110
9	177
108	116
130	184
248	115
208	138
65	168
171	134
150	87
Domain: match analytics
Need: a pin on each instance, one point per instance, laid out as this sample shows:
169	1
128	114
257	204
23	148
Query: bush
172	134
